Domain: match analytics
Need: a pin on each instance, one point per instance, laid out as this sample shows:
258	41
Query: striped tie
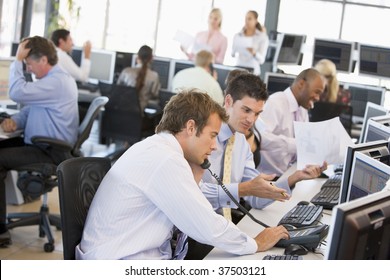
227	170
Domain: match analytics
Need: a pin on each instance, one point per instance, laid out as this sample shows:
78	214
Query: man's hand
269	237
262	188
309	172
22	51
8	125
87	49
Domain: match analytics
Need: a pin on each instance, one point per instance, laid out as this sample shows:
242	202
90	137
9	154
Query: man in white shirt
278	146
201	76
64	44
153	189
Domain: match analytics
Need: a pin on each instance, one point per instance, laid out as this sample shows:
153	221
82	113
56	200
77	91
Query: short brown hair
188	105
203	58
40	47
247	84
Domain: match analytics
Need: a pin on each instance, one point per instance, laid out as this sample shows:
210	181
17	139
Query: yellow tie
227	170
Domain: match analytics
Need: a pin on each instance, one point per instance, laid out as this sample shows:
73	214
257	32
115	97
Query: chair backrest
78	181
86	125
122	117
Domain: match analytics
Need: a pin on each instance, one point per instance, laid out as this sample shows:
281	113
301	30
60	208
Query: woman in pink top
212	39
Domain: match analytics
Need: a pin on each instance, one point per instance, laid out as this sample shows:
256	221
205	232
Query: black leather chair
40	178
123	121
78	180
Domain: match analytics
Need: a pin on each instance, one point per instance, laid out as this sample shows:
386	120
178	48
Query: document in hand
321	141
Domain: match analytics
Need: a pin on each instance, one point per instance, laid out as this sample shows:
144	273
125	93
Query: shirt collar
292	101
225	133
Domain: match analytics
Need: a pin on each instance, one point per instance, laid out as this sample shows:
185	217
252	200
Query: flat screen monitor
122	60
222	73
360	95
163	66
102	66
360	229
290	48
77	55
340	52
374	61
375	149
14	48
368	175
277	81
181	65
372	110
378	128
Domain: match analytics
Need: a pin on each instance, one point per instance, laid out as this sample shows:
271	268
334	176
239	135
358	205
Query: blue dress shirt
243	169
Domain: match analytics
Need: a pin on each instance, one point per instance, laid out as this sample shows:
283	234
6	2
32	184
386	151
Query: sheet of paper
186	40
242	43
321	141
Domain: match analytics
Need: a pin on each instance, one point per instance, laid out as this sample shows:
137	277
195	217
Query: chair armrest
54	143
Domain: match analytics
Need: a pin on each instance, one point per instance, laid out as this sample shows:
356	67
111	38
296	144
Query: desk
271	215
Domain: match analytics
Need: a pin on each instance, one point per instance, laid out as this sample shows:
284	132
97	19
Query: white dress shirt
259	42
78	73
198	77
148	190
243	169
278	147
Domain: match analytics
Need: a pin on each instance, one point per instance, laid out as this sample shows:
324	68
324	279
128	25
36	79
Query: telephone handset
310	236
206	164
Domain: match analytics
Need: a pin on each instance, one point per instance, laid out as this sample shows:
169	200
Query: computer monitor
360	95
375	149
338	51
122	60
14	48
378	128
374	61
222	73
164	67
102	66
372	110
360	229
77	55
277	81
368	175
181	65
289	51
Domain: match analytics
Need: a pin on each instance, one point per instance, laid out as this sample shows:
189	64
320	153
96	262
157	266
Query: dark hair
145	55
59	34
234	73
40	47
247	84
189	105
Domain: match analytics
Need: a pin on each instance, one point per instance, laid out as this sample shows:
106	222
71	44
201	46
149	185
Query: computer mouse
295	249
303	202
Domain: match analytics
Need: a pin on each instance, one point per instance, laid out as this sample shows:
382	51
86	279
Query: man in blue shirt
49	110
244	100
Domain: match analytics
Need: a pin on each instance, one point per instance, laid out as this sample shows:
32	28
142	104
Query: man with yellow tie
245	97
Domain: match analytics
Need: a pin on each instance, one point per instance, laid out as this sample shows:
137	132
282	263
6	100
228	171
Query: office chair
327	110
40	178
123	121
78	180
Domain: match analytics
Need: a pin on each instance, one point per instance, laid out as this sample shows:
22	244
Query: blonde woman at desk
212	39
250	45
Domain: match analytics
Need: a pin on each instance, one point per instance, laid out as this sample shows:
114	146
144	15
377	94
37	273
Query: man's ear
190	127
228	100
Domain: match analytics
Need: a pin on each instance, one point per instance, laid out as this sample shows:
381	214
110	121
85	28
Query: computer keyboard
88	86
283	257
329	194
302	215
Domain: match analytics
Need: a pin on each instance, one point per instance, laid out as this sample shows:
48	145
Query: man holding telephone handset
154	188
